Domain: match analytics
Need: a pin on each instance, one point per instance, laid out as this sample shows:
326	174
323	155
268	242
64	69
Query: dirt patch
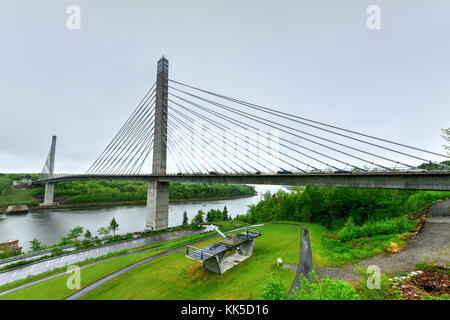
433	283
196	271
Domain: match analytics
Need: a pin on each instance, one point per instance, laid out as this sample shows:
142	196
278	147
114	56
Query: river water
48	226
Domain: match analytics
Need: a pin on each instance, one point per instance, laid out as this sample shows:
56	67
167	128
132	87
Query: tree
88	234
97	241
197	221
185	219
446	136
35	245
209	217
104	231
225	213
75	233
113	225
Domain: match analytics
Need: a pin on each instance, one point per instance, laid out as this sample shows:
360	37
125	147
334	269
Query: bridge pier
158	205
49	193
158	192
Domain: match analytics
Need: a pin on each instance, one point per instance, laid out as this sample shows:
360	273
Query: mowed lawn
56	288
177	277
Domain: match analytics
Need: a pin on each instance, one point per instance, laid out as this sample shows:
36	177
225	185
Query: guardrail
197	253
32	254
254	230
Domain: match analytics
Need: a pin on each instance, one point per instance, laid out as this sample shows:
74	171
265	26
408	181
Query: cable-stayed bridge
188	134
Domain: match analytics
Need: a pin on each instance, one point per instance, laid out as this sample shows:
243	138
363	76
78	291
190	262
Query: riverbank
94	205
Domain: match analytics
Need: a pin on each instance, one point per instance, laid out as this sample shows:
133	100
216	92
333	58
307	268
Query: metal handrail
33	253
194	252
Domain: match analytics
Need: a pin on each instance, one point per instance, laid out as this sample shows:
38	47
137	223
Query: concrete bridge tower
50	186
158	192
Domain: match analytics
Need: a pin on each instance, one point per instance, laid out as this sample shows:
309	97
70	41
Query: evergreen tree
35	245
209	216
88	234
185	219
225	213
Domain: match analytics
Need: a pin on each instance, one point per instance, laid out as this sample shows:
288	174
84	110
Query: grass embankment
56	288
10	197
176	277
353	224
332	252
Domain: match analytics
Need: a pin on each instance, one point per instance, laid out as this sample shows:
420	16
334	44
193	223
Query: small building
226	253
10	246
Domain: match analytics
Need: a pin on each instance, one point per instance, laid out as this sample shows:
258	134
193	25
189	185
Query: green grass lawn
10	196
177	277
56	288
330	252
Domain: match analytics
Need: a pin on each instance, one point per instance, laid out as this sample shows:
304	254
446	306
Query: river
48	226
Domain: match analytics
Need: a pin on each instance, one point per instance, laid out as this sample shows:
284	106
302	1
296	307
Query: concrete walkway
22	272
432	244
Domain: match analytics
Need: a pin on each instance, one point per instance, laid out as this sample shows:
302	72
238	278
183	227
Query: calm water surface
48	226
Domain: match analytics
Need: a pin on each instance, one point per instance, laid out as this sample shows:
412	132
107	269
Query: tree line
114	191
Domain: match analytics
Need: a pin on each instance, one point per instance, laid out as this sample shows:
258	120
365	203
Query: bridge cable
214	145
142	139
189	128
221	125
280	113
122	137
136	110
128	139
252	117
245	140
307	133
212	159
245	126
209	120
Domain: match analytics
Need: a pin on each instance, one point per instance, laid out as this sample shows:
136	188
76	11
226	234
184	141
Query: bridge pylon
158	192
50	186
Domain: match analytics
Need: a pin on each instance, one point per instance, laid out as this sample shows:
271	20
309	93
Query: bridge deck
437	180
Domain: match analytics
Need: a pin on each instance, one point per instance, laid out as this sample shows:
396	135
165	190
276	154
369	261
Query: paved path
49	264
432	244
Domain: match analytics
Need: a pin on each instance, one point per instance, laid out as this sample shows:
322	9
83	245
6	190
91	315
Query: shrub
372	228
57	252
274	290
327	289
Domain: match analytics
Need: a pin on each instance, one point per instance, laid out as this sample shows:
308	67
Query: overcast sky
312	58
